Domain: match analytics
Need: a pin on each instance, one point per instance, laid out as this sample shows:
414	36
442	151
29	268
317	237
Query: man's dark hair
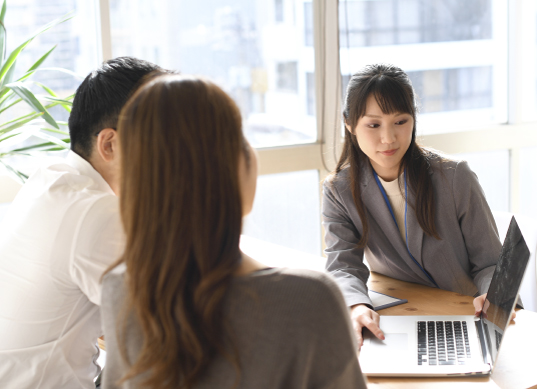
100	97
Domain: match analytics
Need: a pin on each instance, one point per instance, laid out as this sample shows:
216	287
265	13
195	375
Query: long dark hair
181	140
393	92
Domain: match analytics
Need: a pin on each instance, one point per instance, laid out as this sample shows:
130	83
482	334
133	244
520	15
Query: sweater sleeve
345	261
477	225
336	364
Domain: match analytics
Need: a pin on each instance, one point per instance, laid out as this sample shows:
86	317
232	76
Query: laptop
451	345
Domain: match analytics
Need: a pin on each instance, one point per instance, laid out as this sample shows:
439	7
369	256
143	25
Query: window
278	11
402	22
455	53
287	76
260	61
286	211
474	93
453	89
77	50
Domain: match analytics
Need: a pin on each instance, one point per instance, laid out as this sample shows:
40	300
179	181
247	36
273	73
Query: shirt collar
85	168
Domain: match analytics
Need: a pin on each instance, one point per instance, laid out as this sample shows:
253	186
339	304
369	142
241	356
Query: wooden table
517	363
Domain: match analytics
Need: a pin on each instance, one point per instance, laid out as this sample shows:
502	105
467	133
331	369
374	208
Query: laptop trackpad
395	342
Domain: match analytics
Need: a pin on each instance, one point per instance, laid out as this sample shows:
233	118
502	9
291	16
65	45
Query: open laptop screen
504	287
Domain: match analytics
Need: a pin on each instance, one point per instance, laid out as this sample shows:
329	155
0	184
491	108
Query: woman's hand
362	316
482	304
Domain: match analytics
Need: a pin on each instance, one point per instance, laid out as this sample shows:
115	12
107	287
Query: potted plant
37	130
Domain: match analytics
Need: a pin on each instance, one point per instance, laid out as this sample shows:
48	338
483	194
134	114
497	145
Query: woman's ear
348	128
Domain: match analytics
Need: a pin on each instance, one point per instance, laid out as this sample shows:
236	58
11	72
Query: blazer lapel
414	231
377	209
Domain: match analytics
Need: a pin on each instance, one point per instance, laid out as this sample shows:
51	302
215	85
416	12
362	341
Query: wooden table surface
517	362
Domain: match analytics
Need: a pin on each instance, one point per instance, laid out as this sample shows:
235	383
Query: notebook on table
383	301
451	345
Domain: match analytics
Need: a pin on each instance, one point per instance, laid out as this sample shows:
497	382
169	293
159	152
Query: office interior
473	64
287	63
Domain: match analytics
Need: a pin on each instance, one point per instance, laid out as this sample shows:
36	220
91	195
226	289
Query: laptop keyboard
443	343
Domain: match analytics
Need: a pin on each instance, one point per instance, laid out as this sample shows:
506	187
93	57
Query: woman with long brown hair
183	307
413	214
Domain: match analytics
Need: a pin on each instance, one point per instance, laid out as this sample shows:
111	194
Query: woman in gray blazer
415	215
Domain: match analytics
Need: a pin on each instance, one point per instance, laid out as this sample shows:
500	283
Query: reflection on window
454	51
278	11
493	171
453	89
75	39
287	76
310	82
255	50
450	89
394	22
287	211
308	23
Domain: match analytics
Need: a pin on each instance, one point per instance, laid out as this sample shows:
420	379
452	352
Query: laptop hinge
485	346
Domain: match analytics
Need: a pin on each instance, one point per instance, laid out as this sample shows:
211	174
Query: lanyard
395	221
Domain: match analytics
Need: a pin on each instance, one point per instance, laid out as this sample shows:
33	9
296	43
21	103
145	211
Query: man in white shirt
61	233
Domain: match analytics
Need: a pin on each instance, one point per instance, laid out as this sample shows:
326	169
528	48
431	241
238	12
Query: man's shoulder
60	184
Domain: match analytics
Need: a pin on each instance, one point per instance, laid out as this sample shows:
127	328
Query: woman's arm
477	225
336	364
344	258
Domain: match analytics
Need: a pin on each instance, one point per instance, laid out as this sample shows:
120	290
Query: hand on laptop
482	304
362	316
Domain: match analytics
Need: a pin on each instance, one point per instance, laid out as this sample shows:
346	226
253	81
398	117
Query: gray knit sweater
291	329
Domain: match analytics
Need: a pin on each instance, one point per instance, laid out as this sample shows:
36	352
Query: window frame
322	155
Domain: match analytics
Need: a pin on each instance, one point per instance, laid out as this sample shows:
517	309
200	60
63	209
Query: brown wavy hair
393	91
181	139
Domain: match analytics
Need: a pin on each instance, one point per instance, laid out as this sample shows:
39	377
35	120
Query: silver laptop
451	345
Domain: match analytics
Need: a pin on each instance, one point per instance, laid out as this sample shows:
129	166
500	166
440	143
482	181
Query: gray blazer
463	261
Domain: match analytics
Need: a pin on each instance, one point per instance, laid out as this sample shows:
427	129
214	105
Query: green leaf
11	135
2	32
66	104
32	147
66	71
12	58
25	94
51	138
3	12
55	22
18	174
8	78
31	115
25	118
17	101
55	131
38	147
46	88
41	60
58	100
5	95
15	53
18	123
